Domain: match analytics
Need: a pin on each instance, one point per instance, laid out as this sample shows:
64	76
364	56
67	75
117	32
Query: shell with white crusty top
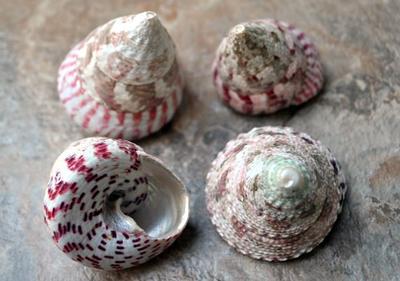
274	193
123	80
263	66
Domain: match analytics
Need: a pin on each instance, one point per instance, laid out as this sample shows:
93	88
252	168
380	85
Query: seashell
123	80
263	66
110	205
274	193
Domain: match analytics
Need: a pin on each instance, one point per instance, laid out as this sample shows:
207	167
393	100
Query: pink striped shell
263	66
123	79
111	206
274	193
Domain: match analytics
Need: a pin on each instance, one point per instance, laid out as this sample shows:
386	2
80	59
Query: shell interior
164	209
158	205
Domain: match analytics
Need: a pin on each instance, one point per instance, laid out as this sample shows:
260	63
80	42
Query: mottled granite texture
357	116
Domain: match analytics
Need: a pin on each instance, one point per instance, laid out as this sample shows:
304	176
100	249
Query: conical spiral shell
123	80
263	66
111	206
274	193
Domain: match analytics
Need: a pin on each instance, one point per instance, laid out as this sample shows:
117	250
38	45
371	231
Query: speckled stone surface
356	115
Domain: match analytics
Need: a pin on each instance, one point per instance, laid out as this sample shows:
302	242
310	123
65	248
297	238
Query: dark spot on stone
362	99
216	137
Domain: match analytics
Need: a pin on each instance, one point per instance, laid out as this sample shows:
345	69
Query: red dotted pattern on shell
270	102
82	179
96	118
261	235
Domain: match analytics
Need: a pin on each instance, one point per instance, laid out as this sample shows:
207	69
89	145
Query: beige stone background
357	115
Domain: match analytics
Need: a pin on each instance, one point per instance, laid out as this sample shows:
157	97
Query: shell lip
155	168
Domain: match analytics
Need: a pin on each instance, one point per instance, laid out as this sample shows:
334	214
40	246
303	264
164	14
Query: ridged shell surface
274	193
123	80
111	206
263	66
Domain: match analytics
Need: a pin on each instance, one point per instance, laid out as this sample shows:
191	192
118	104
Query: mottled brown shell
262	66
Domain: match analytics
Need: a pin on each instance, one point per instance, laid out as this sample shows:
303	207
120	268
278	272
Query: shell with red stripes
109	205
263	66
123	80
274	193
